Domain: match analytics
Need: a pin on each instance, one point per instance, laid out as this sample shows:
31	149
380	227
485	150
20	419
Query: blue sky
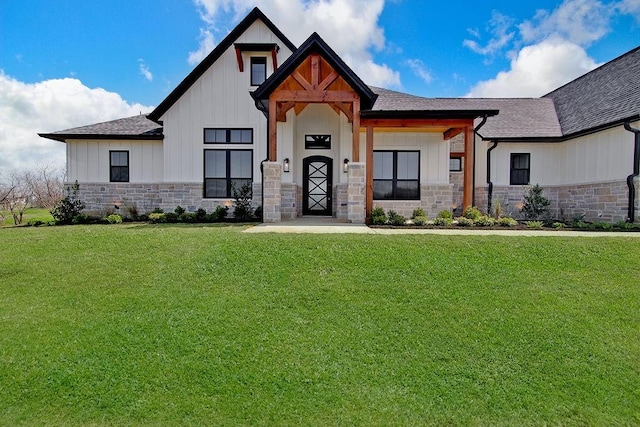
68	63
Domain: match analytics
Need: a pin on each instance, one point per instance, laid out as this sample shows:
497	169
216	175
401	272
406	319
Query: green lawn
31	214
165	325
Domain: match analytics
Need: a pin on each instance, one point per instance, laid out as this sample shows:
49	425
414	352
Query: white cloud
579	21
144	70
207	44
420	69
47	106
499	26
350	27
537	70
629	7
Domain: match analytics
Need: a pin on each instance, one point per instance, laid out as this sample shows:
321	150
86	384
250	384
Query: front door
316	185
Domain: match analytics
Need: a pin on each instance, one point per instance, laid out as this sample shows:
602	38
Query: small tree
535	206
242	210
69	207
16	196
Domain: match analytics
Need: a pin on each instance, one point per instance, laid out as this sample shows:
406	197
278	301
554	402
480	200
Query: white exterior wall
600	157
219	99
88	160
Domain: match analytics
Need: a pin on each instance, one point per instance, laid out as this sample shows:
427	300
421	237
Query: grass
192	325
31	214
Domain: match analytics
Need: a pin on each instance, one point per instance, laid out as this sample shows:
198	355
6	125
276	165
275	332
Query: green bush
114	219
242	210
158	210
535	225
83	219
440	221
201	215
171	217
623	225
219	214
188	217
445	214
602	226
471	212
258	212
179	210
535	206
378	217
418	212
395	218
558	225
507	222
484	221
69	207
463	221
157	217
420	220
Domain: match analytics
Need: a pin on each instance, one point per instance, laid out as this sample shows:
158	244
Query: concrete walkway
333	226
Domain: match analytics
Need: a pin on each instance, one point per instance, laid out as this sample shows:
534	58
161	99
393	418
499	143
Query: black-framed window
520	169
317	142
396	175
226	169
258	70
455	164
228	136
118	166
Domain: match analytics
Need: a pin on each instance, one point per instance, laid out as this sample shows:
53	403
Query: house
311	138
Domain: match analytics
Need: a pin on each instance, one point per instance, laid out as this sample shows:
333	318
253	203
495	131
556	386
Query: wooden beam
273	131
449	123
328	80
301	80
467	192
300	106
283	109
239	58
316	96
355	126
315	70
274	59
369	174
344	108
452	132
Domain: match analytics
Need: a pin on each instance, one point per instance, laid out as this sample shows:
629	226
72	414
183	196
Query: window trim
257	60
310	141
512	169
228	178
228	136
457	157
395	179
112	166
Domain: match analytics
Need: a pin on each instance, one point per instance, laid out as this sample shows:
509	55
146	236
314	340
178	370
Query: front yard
185	324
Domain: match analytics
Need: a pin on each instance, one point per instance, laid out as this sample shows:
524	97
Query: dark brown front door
316	186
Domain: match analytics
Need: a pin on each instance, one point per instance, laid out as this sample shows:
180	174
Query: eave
64	137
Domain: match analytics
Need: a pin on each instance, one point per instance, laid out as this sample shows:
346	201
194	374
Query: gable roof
606	96
136	127
315	44
202	67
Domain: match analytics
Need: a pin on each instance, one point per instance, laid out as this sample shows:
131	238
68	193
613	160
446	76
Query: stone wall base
121	198
433	199
604	201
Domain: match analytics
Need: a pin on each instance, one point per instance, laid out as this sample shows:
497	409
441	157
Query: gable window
258	70
225	170
118	166
228	136
318	142
520	169
396	175
455	164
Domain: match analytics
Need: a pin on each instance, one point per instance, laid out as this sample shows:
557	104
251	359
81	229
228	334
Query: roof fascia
65	137
428	114
202	67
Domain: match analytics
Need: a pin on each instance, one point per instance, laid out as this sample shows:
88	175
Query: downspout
490	191
636	172
473	178
265	111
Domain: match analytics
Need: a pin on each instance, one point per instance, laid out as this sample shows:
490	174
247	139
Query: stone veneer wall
356	193
102	198
272	185
604	201
433	199
341	201
289	199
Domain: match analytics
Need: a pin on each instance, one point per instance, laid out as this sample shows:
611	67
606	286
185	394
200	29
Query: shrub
158	210
485	221
535	225
179	210
83	219
498	209
464	221
602	226
171	217
440	221
535	206
258	213
201	215
132	210
114	219
418	212
395	218
623	225
378	217
242	210
188	217
558	225
445	214
507	222
157	217
471	212
69	207
420	220
219	214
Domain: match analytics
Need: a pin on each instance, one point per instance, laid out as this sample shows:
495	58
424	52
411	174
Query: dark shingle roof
136	127
607	95
517	117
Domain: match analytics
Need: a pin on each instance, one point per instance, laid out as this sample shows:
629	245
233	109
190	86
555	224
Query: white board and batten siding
219	99
603	156
88	160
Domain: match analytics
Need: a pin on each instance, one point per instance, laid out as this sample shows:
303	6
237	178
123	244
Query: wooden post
369	183
273	130
467	194
355	126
